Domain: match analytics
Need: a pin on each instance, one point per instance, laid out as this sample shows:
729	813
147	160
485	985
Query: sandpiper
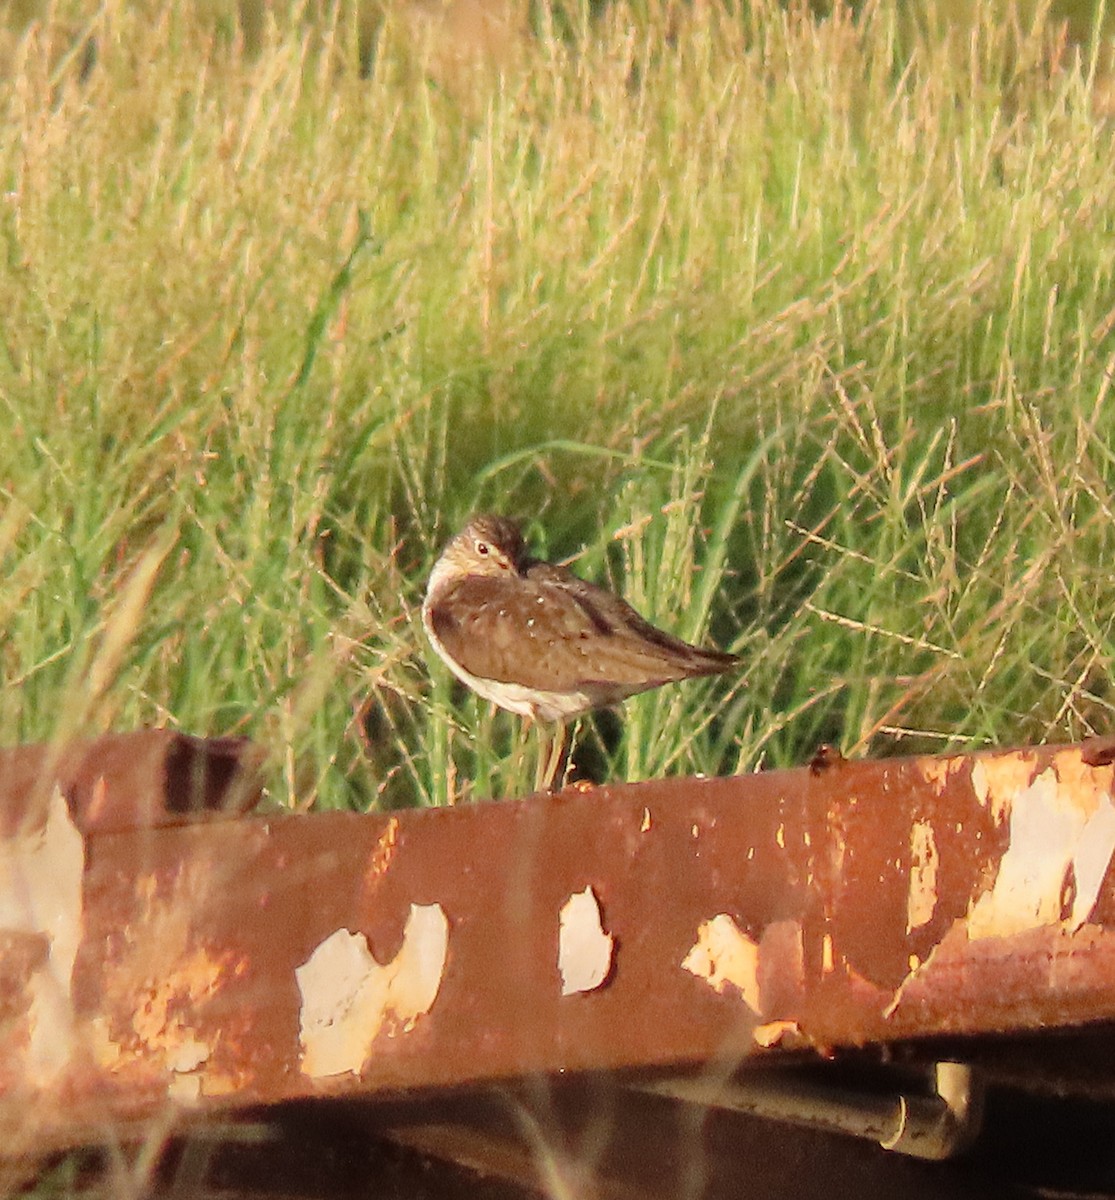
537	640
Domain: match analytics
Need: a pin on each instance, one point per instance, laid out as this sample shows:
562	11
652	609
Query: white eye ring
483	549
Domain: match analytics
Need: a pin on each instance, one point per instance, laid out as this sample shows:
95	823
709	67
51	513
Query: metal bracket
935	1122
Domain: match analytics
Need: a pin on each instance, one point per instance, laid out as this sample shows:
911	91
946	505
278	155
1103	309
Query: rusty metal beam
129	780
661	925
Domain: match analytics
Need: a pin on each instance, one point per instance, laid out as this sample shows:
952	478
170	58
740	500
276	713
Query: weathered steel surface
127	780
255	960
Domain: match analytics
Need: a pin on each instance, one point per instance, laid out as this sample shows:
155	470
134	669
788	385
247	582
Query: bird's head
488	545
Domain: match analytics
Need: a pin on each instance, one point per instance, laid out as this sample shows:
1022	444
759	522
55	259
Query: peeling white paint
1091	860
40	893
585	950
837	847
723	954
997	779
348	997
936	771
773	1032
188	1055
185	1089
921	899
1054	827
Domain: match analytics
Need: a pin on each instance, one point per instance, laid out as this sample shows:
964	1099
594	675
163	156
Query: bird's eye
483	549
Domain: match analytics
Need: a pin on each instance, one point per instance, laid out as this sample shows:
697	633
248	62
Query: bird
539	641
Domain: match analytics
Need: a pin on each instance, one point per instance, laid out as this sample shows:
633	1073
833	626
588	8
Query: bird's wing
504	629
614	616
553	631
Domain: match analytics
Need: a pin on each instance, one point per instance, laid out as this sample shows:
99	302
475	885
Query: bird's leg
565	738
541	763
522	749
552	763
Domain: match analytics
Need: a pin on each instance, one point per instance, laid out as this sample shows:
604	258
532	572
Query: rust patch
131	780
919	968
160	1024
994	984
781	970
162	989
1098	751
22	955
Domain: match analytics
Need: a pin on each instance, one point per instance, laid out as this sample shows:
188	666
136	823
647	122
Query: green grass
798	330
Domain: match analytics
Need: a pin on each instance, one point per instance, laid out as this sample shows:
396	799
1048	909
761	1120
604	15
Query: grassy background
799	329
